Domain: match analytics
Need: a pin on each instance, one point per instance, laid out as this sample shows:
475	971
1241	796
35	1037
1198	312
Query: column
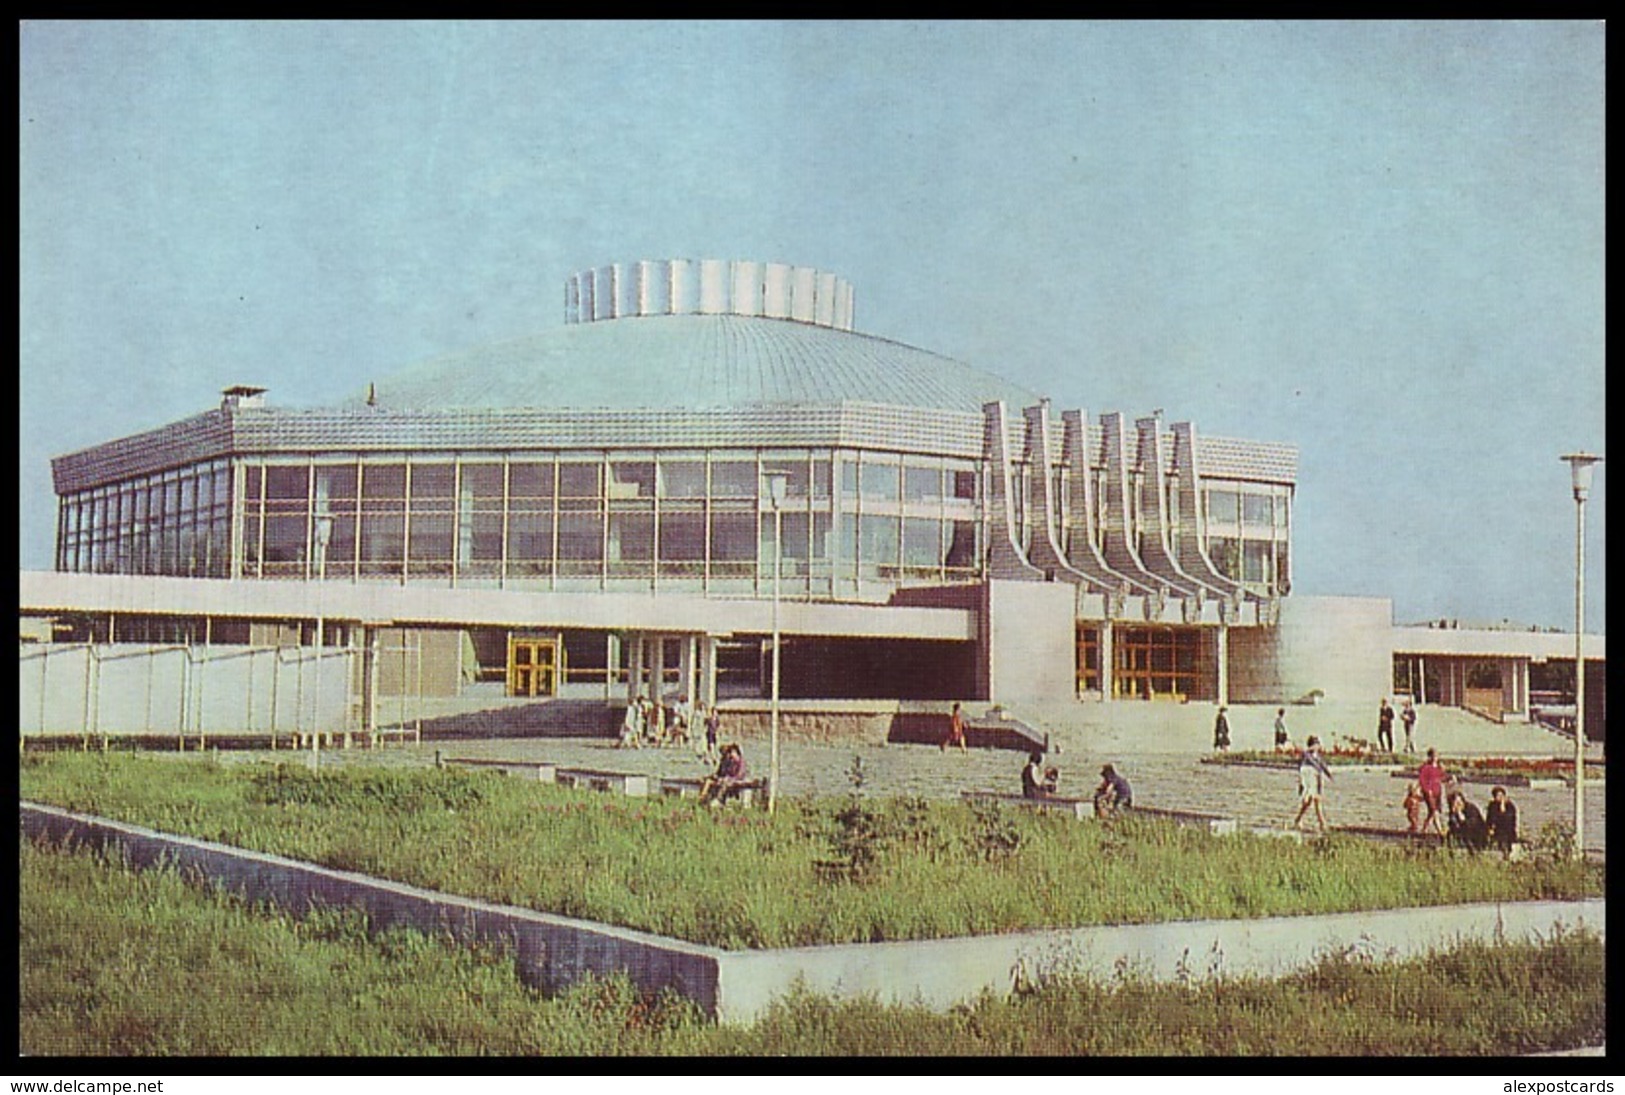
1222	658
657	667
612	656
1108	659
634	667
708	670
685	668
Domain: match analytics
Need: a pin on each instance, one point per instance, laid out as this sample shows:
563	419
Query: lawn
845	870
121	963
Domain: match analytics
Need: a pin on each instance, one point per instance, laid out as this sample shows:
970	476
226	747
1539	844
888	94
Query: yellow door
532	666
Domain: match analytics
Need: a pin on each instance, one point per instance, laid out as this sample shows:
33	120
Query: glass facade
176	522
1249	528
854	522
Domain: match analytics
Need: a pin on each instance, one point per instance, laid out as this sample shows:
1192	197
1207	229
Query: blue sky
1381	242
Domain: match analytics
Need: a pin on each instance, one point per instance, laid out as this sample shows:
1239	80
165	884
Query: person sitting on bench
730	773
1113	795
1032	780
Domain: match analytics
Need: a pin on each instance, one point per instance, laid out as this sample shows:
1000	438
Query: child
1415	801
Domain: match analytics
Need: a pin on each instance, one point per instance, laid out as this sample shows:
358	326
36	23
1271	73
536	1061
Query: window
1255	509
922	484
533	480
632	479
879	482
682	478
1257	561
580	480
682	535
961	549
877	546
631	544
1223	506
922	543
733	479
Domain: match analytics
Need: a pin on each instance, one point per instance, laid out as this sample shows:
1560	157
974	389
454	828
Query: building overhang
1494	643
43	592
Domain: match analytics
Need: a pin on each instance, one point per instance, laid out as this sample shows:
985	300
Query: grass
122	963
735	879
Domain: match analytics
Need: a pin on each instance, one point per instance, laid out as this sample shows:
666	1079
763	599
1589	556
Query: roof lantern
709	287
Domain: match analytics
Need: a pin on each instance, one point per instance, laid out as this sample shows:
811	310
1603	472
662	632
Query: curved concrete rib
1005	558
1083	553
1046	549
1119	546
1154	547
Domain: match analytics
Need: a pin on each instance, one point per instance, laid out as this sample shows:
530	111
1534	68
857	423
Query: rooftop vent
241	395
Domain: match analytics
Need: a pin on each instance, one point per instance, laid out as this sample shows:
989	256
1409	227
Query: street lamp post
777	485
324	533
1580	466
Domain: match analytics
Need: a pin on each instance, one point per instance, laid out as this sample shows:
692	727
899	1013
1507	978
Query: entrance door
533	667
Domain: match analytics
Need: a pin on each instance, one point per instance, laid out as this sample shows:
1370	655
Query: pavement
1259	796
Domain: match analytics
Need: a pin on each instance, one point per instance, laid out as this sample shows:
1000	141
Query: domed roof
694	362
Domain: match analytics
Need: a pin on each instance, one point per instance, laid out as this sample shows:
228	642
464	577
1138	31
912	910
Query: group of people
650	722
1113	795
1385	725
1283	744
1434	795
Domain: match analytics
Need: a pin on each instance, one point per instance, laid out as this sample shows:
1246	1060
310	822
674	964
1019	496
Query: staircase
1130	727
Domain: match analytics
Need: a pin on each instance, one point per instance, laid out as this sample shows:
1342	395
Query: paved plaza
1255	795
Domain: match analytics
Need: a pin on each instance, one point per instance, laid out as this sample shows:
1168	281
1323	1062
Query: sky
1379	242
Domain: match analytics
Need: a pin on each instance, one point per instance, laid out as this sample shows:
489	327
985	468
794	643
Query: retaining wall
737	986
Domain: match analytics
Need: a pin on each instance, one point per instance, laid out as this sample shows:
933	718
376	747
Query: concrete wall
551	951
554	951
1027	630
942	972
1342	646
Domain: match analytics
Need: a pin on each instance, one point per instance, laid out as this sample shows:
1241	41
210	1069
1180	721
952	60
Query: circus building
616	501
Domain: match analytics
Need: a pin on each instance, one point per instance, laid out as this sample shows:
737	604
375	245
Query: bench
1388	836
544	773
1216	824
744	792
1079	808
594	779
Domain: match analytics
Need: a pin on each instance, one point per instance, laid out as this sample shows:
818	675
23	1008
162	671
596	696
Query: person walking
1280	730
1431	776
1221	732
956	732
1407	719
713	725
632	725
1501	816
1385	727
1312	774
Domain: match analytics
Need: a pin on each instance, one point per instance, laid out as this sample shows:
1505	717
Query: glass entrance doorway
1159	663
533	666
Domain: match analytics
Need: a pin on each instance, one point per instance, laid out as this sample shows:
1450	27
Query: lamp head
1581	465
778	485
